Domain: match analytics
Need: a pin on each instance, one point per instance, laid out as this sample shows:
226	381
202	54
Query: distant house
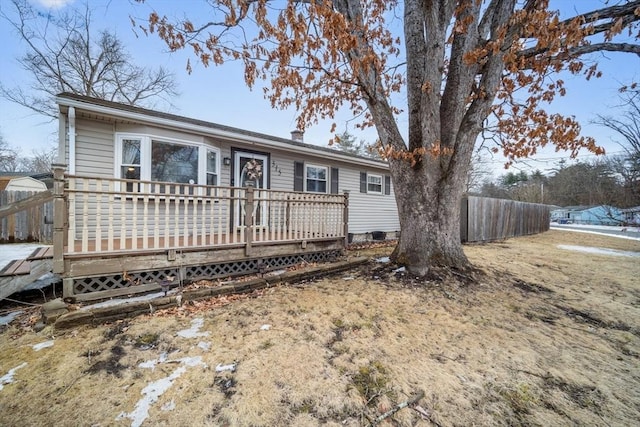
589	215
631	215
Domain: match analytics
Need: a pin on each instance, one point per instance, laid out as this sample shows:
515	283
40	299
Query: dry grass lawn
546	336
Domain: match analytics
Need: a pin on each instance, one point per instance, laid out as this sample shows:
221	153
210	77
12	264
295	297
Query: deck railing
106	215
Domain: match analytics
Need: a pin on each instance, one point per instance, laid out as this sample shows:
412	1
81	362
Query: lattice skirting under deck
189	274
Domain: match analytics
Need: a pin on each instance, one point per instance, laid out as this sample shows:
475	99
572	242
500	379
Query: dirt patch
542	337
531	287
111	365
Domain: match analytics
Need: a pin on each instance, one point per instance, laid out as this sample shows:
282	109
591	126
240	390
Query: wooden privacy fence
107	215
32	224
485	219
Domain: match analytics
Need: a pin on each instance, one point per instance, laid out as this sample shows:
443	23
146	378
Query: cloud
54	4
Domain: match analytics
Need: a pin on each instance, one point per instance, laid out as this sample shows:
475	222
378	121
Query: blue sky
218	94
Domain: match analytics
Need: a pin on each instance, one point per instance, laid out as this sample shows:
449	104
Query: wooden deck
106	229
180	243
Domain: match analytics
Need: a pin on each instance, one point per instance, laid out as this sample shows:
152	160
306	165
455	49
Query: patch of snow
8	318
400	270
230	367
8	377
205	346
151	364
152	392
600	227
346	278
618	236
599	251
276	273
192	361
121	301
265	327
13	251
38	347
192	332
383	260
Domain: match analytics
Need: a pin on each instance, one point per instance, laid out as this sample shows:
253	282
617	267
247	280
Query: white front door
251	169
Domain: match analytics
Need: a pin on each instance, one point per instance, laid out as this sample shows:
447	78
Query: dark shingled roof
216	126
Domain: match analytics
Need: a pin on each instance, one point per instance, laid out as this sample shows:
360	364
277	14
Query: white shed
25	183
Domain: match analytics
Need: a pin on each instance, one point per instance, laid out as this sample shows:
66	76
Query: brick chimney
297	135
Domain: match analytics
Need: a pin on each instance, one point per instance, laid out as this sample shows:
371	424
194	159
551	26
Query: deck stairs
19	274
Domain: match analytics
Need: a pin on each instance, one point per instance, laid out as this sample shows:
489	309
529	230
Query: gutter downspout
72	141
62	138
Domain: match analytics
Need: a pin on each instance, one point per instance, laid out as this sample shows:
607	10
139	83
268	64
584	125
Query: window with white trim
148	158
316	178
130	164
374	184
212	167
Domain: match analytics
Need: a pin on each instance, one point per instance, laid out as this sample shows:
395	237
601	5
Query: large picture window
316	178
154	159
174	163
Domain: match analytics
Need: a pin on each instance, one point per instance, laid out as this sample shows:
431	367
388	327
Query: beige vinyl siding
369	212
94	148
159	133
281	169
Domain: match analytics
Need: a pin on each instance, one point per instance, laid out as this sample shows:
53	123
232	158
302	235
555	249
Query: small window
374	184
130	166
316	179
212	167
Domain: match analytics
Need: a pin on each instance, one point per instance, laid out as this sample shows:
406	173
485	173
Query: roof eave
261	141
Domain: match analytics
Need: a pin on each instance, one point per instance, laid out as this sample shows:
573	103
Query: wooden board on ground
13	283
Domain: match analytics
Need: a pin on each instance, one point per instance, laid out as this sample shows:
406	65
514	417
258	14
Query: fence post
345	218
59	214
464	219
248	221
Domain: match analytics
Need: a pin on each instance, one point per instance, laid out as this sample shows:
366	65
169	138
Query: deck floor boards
16	268
41	253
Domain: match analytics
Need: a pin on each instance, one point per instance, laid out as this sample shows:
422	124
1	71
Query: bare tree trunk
429	213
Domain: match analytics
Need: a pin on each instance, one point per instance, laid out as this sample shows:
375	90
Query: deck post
248	220
345	218
59	214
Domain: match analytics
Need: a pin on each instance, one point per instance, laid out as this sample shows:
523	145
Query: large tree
461	64
9	158
67	53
